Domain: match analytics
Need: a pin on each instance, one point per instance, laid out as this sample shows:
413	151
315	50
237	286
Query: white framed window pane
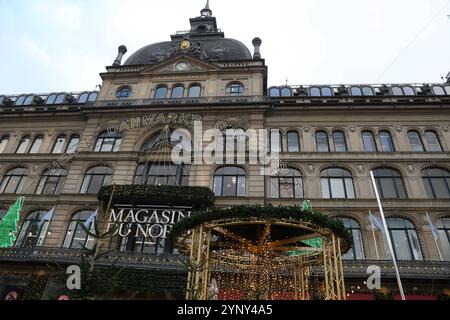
59	145
349	187
298	188
3	144
274	191
241	187
36	145
23	146
73	145
218	186
401	245
358	244
325	189
415	246
337	188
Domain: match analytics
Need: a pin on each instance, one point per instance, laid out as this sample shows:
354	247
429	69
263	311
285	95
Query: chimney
122	51
257	45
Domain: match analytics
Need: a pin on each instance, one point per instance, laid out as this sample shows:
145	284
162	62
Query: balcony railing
182	101
45	255
408	269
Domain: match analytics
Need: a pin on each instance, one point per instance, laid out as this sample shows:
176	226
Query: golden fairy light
257	259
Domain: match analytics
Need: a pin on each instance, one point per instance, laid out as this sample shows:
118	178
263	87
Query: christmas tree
8	225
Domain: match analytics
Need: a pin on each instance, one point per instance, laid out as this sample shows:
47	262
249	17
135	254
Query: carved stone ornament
399	129
310	168
307	129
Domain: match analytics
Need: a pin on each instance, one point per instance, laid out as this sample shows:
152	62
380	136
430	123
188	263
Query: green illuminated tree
8	225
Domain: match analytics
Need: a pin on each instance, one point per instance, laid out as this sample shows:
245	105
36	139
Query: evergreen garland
197	197
261	212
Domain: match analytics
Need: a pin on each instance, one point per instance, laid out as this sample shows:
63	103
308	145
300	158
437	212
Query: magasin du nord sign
145	221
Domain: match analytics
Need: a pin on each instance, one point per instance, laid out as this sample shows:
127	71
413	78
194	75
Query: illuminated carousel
263	253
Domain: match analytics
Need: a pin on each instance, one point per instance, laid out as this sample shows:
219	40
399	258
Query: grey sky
62	45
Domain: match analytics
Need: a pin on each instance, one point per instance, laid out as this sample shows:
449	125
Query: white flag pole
373	234
435	241
388	237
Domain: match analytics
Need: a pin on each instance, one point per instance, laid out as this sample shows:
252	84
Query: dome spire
206	12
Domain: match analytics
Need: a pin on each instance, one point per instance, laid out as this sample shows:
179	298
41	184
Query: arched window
340	143
60	98
367	91
177	92
434	144
293	141
437	183
13	181
315	92
23	146
76	236
439	91
96	178
447	90
51	99
124	92
337	183
387	144
58	148
195	91
19	101
51	182
415	141
356	252
83	98
404	239
162	174
397	91
327	92
3	143
390	183
108	142
286	92
235	89
37	143
409	91
33	231
168	139
322	142
92	97
161	92
230	182
369	142
73	144
274	92
287	185
443	226
28	100
356	91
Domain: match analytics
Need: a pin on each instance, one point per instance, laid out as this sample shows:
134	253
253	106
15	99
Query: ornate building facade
58	150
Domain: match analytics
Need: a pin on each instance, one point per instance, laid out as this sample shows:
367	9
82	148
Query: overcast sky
62	45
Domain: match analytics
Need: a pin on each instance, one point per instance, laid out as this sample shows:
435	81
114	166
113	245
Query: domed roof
214	49
204	41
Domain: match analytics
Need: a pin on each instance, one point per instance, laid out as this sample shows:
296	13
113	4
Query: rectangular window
401	245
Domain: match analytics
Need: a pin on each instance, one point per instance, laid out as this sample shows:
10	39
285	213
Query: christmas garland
262	212
197	197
